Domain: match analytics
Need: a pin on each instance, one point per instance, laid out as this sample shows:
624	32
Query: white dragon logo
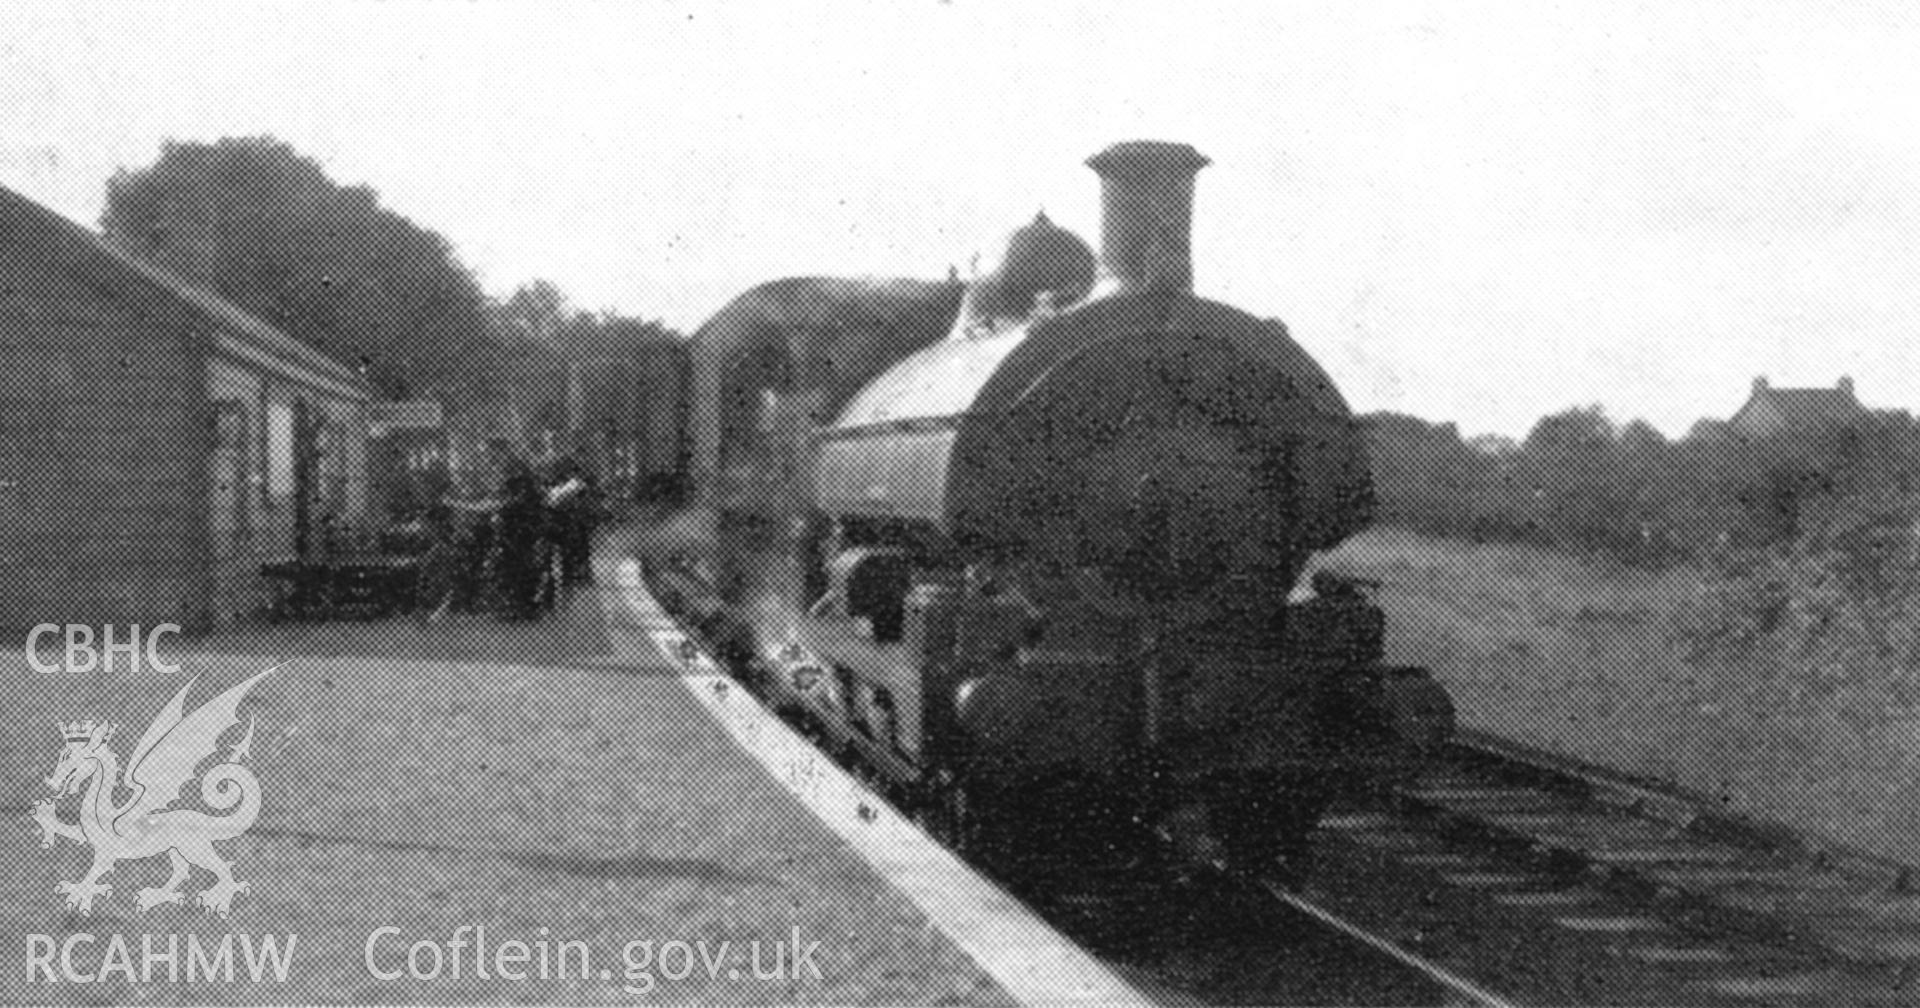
143	826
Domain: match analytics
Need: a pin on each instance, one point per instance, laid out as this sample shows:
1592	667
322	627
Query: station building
157	444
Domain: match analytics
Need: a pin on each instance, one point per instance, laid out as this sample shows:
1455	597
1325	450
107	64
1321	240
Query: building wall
659	398
103	438
637	407
341	500
237	519
262	423
1759	418
145	460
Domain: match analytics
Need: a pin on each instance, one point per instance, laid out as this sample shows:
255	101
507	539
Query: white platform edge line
1029	959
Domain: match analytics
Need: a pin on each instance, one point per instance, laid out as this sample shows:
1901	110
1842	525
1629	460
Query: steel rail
1412	960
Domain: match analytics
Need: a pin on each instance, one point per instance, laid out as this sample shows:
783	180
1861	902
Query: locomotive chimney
1147	214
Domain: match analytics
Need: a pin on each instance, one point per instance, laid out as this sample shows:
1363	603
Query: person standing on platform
521	557
577	511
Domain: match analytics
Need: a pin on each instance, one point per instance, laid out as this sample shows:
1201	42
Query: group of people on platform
514	551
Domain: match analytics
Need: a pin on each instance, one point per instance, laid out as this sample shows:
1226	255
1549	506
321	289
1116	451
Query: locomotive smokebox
1147	214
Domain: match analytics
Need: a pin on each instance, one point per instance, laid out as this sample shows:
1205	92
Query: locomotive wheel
994	828
945	811
1266	826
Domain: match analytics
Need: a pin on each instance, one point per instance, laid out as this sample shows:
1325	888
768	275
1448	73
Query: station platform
436	791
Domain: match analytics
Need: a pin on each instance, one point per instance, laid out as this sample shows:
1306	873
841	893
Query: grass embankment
1606	663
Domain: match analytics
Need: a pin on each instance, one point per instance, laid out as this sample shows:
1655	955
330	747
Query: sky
1478	213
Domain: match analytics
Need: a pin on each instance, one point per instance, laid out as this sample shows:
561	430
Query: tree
264	227
570	374
1570	464
539	317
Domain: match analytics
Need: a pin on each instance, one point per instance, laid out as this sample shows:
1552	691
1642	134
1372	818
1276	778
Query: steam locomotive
1028	546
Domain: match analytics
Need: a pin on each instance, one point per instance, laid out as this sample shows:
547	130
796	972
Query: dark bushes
1579	482
1810	544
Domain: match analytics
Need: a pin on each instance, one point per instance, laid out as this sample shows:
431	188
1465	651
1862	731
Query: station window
279	450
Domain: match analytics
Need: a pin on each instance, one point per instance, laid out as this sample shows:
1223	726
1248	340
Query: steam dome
1041	257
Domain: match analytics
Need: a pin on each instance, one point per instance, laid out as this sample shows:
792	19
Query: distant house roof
1770	410
235	331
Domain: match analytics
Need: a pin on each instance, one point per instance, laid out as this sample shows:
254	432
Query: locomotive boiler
1029	546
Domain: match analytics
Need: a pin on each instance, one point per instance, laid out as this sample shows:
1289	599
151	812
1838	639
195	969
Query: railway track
1553	881
1504	875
